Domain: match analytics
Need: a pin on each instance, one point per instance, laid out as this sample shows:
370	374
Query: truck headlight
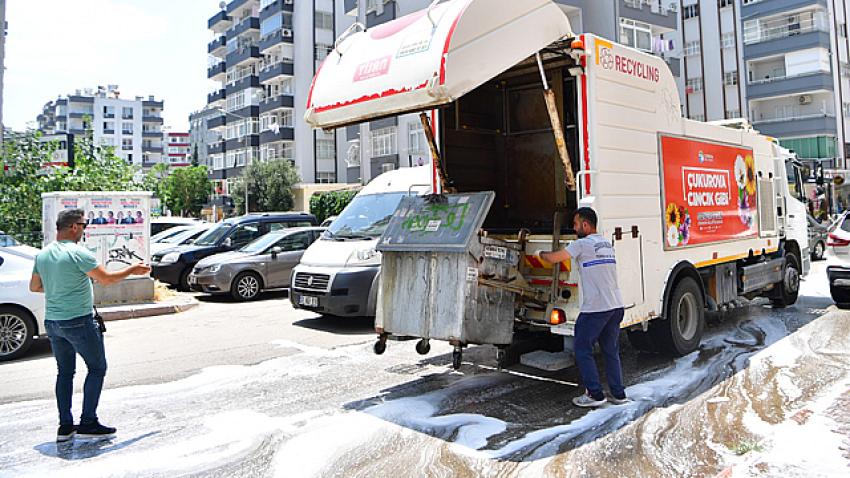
171	258
366	256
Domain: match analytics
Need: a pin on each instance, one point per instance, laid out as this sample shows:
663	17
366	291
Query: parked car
838	270
162	235
264	264
818	233
186	235
174	265
327	222
21	311
10	243
159	224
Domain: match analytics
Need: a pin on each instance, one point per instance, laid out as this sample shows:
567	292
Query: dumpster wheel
457	357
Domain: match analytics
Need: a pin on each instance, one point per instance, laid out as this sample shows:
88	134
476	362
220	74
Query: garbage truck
528	121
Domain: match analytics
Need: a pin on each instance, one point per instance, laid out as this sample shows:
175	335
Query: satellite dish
222	5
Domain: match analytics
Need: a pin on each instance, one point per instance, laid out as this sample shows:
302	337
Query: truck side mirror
275	251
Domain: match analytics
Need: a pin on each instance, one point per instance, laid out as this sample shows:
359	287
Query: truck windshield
365	218
211	237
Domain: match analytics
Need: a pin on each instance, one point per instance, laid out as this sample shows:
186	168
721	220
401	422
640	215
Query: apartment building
649	25
263	57
199	136
132	126
796	55
177	150
712	83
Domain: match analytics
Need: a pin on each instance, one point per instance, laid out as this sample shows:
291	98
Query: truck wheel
17	329
681	331
785	292
246	286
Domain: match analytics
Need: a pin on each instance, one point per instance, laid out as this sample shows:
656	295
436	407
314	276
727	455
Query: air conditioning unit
287	32
805	99
289	2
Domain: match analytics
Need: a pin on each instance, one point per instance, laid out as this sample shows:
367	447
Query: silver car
265	263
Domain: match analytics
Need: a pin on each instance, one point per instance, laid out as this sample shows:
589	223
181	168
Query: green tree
195	156
155	181
326	204
269	186
24	178
187	189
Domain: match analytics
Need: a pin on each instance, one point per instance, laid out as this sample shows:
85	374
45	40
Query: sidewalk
134	311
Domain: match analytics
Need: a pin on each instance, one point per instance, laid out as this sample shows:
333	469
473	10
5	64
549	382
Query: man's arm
101	275
35	283
555	257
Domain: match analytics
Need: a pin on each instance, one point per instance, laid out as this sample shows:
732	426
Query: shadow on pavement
84	448
40	349
226	298
339	325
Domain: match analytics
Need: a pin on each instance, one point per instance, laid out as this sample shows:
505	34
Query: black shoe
65	433
94	430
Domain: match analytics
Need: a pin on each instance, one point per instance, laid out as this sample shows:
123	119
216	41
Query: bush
331	203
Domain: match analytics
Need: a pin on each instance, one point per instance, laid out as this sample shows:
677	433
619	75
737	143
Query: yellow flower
673	218
751	175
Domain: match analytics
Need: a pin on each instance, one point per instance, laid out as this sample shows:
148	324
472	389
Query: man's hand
139	269
555	257
35	283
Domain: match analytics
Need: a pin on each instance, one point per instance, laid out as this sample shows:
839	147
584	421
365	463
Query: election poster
709	192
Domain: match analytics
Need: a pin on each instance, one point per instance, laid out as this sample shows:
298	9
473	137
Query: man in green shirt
63	271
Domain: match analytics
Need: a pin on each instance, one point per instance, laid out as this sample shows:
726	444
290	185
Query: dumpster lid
428	58
422	224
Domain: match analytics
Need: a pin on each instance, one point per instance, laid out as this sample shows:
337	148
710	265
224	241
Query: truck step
549	361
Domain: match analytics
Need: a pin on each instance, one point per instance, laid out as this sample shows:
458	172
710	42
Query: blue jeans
605	328
67	339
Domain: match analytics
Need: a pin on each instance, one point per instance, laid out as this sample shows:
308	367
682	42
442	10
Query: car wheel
818	250
246	286
17	329
183	284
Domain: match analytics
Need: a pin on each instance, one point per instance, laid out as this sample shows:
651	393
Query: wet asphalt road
319	406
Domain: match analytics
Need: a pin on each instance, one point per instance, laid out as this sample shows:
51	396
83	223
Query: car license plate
308	301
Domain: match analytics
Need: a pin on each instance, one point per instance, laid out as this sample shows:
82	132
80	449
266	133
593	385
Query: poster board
710	192
117	224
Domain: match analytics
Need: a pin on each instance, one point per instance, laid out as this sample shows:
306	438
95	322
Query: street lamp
245	142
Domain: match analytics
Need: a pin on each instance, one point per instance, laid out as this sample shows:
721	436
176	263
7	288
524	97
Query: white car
180	238
21	311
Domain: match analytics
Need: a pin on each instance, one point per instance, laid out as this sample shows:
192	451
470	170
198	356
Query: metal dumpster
434	269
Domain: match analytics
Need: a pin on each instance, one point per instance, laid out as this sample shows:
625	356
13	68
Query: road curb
145	310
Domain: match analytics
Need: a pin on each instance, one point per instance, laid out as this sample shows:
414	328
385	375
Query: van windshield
366	217
211	237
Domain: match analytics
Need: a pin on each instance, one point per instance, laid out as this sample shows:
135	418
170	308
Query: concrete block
549	361
133	290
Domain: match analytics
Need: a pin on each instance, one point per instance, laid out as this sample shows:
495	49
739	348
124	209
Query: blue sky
147	47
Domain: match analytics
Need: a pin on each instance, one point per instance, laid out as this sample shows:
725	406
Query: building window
323	50
692	48
846	109
324	20
636	34
690	11
127	128
127	113
387	167
325	149
127	144
694	85
108	126
109	111
698	117
217	161
725	3
842	30
733	113
384	142
325	178
730	78
416	141
728	40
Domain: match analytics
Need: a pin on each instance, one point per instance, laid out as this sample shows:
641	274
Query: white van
338	274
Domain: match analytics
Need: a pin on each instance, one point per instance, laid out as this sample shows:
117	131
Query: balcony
80	114
250	23
216	47
276	7
251	140
152	119
216	72
109	115
151	134
152	149
217	122
277	102
655	13
284	35
776	38
127	132
760	9
220	22
797	126
243	55
76	131
283	134
250	111
153	103
109	131
247	82
81	99
235	5
790	85
217	96
216	148
275	71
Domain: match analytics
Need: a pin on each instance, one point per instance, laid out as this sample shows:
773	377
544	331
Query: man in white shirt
601	309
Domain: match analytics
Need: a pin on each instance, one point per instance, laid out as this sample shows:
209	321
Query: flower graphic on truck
678	221
745	178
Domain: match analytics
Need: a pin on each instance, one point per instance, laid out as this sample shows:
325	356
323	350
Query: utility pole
2	65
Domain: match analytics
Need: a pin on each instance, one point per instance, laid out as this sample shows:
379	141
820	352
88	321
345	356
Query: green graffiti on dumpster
436	218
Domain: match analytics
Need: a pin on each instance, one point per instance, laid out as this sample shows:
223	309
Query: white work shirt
597	266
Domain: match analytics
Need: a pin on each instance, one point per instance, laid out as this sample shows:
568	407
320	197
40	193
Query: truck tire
786	292
681	330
